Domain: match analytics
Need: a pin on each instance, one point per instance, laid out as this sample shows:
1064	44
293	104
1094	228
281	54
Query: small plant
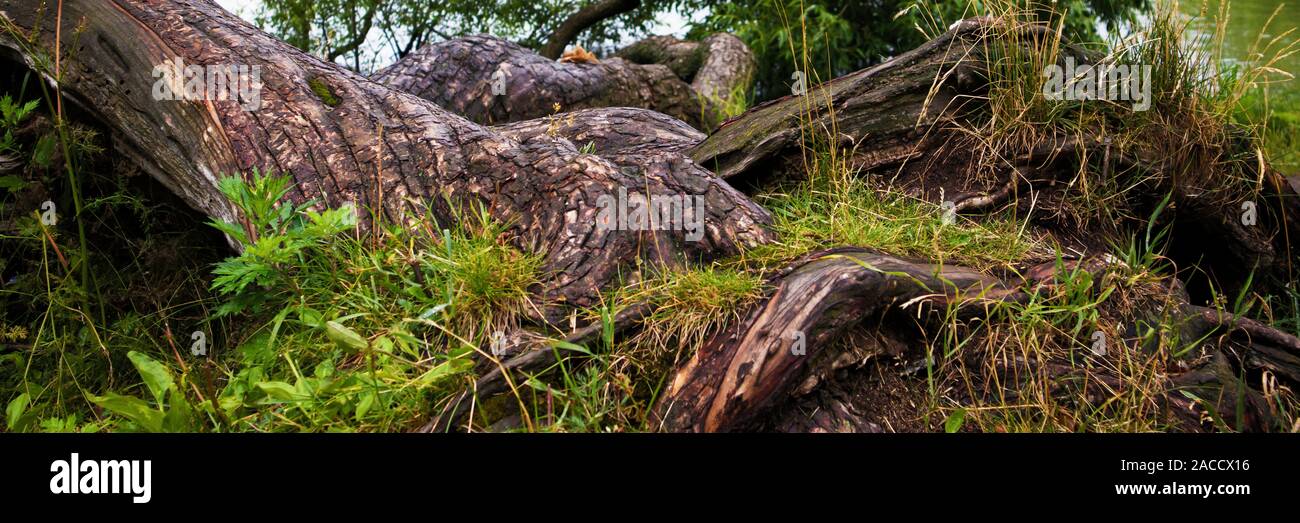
11	116
275	239
169	412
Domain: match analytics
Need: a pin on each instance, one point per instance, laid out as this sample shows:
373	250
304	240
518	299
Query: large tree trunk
893	120
346	138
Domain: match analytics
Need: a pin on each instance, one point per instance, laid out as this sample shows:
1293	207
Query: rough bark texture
611	131
886	108
460	75
345	138
720	68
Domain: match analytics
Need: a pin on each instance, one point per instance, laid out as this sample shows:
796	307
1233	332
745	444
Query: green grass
821	213
326	331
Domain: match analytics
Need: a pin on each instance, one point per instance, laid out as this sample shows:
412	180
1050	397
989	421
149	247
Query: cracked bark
428	162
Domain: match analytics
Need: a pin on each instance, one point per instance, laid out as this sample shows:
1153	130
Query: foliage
829	38
368	34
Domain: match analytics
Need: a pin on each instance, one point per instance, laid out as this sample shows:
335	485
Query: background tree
368	34
839	36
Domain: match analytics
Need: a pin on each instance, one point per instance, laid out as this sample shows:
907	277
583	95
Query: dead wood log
749	368
902	121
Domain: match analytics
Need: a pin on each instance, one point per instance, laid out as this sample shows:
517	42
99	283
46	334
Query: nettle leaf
156	376
133	409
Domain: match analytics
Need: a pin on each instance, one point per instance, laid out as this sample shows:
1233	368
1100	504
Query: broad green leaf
15	409
280	390
363	405
344	337
310	317
12	183
132	408
444	369
180	416
954	421
156	376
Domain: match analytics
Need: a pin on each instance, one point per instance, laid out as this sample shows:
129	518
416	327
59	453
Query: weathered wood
720	68
885	109
344	138
898	121
751	367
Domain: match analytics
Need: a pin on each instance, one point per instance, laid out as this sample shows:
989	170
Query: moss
323	92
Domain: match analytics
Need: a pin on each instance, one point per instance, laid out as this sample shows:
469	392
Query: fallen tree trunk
892	119
344	138
491	81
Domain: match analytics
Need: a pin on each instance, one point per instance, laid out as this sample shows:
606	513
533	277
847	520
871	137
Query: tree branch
583	19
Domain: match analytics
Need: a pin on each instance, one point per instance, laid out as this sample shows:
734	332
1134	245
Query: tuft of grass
690	305
318	329
837	206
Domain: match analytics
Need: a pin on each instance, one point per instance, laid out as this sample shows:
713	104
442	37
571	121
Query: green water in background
1247	20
